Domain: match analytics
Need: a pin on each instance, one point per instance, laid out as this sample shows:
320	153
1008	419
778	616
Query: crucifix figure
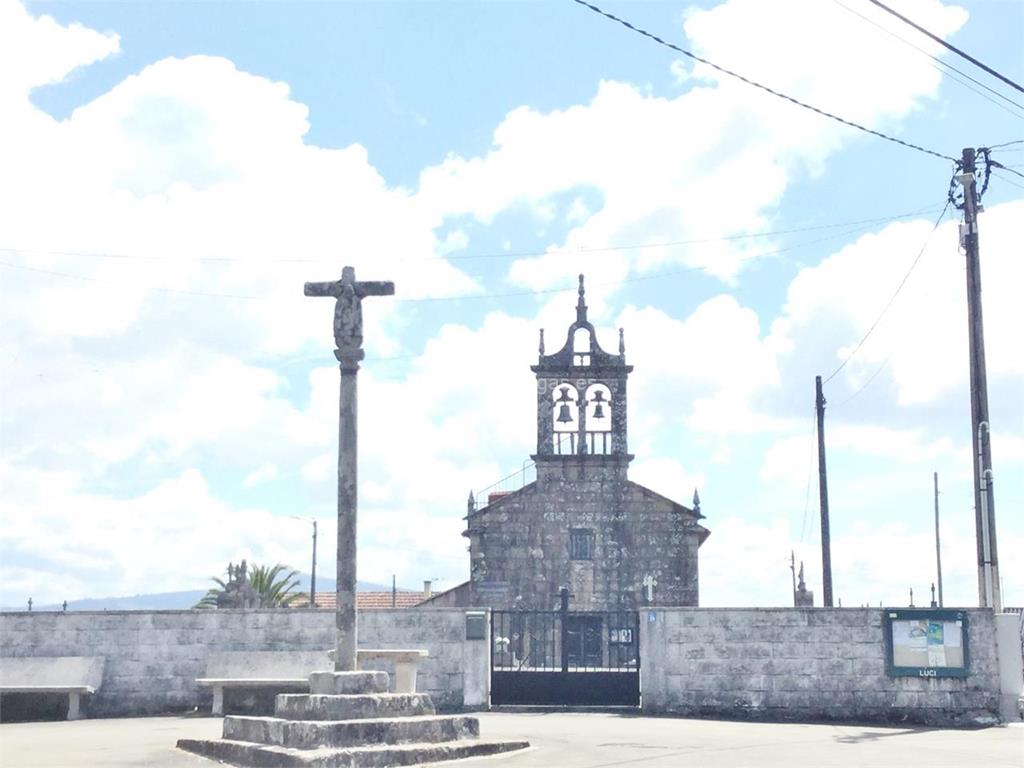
650	583
348	337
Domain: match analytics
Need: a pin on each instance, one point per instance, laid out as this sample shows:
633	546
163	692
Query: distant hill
171	601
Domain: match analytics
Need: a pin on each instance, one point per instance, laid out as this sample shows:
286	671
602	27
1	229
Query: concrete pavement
560	740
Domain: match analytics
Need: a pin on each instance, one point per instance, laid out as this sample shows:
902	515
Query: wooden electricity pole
984	501
826	541
938	550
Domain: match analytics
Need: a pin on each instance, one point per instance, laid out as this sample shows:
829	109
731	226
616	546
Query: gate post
564	618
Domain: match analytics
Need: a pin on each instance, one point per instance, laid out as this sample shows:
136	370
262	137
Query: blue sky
173	173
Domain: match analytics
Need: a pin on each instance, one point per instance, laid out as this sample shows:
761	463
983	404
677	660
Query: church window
581	544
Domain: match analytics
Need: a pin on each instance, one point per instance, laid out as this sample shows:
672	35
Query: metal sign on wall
925	642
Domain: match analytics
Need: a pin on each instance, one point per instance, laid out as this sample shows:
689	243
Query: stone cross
650	583
348	337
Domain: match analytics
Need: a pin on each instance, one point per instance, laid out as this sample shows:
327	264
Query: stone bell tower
582	525
581	401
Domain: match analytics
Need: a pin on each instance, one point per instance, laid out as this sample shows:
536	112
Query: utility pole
826	540
792	570
938	550
312	574
984	500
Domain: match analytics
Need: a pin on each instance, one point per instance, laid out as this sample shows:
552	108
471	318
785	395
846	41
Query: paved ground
561	740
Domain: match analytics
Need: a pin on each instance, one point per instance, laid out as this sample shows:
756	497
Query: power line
888	304
995	164
864	385
471	257
765	88
941	63
943	43
1006	144
425	299
1009	181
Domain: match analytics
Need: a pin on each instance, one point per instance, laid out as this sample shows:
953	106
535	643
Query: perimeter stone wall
803	664
154	657
775	664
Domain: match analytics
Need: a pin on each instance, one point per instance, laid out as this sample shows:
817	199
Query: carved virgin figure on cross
348	310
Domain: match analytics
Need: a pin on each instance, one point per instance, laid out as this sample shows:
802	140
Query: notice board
926	642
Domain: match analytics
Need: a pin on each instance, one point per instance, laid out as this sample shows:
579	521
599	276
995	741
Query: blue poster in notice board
925	642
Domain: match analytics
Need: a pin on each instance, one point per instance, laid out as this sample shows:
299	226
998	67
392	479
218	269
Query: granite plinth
245	753
300	706
311	734
331	683
364	727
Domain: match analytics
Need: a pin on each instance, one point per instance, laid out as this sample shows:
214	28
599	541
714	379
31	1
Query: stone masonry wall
803	664
153	658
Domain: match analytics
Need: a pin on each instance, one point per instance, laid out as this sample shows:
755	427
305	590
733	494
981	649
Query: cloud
179	395
840	299
107	546
37	51
661	175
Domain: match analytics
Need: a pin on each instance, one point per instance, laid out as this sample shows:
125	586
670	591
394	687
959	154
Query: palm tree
275	587
276	590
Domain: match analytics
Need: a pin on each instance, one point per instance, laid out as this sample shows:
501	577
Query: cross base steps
311	734
360	728
340	683
303	706
245	753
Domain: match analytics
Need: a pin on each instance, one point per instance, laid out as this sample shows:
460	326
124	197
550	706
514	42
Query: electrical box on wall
476	625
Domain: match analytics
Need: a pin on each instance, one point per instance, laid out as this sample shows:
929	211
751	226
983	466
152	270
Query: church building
582	524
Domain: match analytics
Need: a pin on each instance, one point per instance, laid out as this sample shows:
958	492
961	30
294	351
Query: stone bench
73	675
285	670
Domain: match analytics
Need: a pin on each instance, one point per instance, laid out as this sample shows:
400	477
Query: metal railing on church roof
521	477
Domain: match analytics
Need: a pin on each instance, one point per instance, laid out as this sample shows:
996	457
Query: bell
599	411
599	402
563	413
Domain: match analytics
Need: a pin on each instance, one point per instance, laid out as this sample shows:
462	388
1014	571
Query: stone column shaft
345	618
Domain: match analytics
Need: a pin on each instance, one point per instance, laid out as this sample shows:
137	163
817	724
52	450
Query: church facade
583	524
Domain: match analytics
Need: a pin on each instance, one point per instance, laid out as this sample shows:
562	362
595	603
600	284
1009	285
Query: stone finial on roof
802	598
541	348
581	307
622	342
696	501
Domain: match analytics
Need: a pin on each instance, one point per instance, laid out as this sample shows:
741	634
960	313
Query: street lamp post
312	573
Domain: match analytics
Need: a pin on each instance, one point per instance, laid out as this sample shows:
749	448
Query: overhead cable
765	88
425	299
888	304
944	44
1006	168
941	63
1008	180
863	386
474	256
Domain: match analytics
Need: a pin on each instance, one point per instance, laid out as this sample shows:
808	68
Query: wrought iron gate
570	658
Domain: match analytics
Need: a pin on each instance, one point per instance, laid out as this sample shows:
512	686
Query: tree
263	586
